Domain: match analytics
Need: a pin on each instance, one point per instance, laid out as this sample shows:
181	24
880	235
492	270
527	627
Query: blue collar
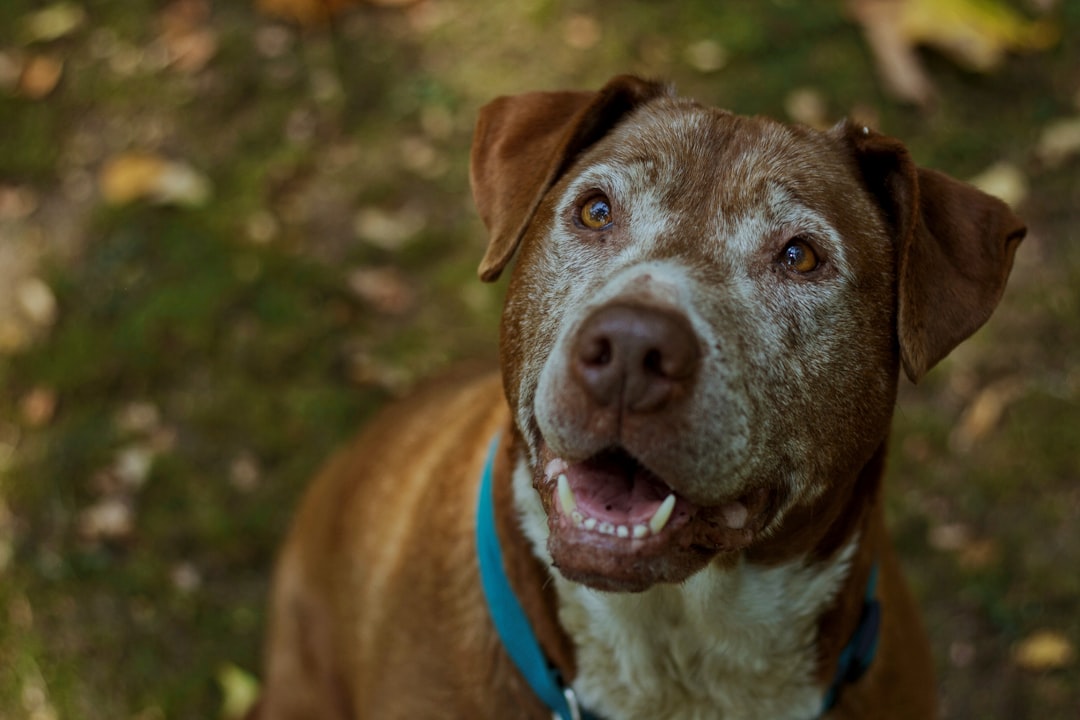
545	680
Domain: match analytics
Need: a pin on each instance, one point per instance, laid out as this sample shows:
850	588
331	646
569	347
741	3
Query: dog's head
709	313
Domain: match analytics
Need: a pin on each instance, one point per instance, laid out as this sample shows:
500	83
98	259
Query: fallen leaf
185	577
239	690
706	56
52	22
17	203
37	302
949	536
978	554
807	106
110	518
388	230
188	41
581	32
977	34
384	288
1003	180
132	465
1044	650
984	413
1059	141
244	473
133	176
40	76
38	406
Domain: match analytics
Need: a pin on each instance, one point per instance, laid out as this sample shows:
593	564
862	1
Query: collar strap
857	655
546	682
509	617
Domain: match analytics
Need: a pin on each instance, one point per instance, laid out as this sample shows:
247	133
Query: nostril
597	352
653	363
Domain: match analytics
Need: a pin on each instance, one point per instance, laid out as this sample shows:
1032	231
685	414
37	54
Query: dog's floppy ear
522	145
955	248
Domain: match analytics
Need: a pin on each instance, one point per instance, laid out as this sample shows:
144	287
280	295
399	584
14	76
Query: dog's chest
728	643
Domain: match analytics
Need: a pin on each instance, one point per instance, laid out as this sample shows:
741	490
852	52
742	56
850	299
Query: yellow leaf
1044	650
52	23
134	176
239	689
975	33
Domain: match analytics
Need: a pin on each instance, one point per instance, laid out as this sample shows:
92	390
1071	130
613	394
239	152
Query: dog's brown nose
635	356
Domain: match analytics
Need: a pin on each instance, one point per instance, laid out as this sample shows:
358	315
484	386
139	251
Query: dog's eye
596	213
799	256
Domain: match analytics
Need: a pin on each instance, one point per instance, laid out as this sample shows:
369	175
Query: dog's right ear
522	145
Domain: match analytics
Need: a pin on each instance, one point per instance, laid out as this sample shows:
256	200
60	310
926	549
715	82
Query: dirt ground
226	239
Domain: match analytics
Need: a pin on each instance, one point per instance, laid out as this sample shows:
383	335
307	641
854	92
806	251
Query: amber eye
596	213
799	256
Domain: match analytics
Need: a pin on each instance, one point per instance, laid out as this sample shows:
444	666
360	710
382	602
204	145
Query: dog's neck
750	636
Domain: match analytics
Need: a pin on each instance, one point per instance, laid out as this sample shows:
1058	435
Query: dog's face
701	335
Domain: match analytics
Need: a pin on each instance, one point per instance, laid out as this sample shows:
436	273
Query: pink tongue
618	492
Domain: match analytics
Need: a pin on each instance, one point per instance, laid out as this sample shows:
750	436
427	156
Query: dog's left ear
954	253
522	145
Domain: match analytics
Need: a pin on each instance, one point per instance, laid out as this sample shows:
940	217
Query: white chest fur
734	642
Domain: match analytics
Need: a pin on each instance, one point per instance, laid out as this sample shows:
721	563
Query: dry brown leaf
40	76
984	413
135	176
582	32
188	41
38	406
807	106
1044	650
386	289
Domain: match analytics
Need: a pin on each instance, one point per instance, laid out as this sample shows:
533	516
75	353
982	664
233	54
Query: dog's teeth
566	495
622	531
735	514
641	531
606	528
663	514
590	523
577	517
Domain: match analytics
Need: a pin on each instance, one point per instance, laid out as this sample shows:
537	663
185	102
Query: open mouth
616	525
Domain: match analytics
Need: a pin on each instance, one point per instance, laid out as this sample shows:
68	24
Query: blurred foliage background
228	233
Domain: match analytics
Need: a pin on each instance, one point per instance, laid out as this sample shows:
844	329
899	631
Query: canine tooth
566	495
590	523
622	531
641	531
577	517
607	528
663	514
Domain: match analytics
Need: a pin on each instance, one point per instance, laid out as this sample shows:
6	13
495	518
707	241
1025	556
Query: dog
668	501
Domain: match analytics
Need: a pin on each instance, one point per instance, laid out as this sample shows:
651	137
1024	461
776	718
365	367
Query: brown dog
699	356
